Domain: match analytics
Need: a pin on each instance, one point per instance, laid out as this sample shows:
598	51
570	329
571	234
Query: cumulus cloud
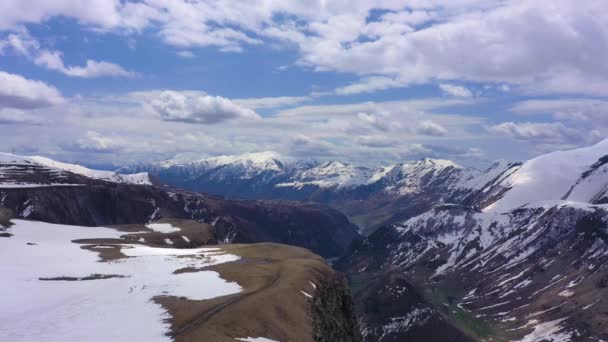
431	128
176	106
103	14
455	90
22	93
412	42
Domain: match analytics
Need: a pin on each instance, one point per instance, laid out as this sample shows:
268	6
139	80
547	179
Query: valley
514	253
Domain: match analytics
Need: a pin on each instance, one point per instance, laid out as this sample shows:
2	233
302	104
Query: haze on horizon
118	82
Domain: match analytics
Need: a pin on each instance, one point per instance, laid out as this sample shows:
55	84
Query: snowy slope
552	176
398	179
54	290
138	178
332	174
20	171
248	162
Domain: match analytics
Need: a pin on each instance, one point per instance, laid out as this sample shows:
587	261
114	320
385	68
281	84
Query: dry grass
5	217
198	233
271	304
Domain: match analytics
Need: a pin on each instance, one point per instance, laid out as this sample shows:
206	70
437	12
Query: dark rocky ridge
333	312
97	203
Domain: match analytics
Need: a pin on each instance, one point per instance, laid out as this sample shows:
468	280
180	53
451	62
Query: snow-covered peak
485	178
553	176
267	160
330	174
438	163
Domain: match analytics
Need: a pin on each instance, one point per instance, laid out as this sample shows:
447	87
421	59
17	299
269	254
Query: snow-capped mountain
577	175
369	196
520	256
19	171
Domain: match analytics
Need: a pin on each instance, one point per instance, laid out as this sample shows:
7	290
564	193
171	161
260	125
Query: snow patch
113	309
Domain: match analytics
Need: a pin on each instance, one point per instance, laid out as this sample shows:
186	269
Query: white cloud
9	116
370	85
101	15
53	60
431	128
585	110
185	54
553	132
377	141
493	41
98	143
378	121
455	90
176	106
22	93
23	44
271	102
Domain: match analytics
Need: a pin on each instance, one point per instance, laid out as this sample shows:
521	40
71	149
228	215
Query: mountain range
370	197
517	252
514	252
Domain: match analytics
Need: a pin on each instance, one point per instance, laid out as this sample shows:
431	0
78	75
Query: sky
114	82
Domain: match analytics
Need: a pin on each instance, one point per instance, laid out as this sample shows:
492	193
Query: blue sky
116	82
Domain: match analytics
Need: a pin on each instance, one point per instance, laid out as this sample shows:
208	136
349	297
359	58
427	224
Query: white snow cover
550	177
548	331
14	161
164	228
331	174
138	178
334	174
32	185
255	339
114	309
261	160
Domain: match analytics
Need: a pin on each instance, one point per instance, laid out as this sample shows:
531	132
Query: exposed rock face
497	274
333	312
397	312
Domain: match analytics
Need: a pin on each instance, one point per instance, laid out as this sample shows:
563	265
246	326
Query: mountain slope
517	259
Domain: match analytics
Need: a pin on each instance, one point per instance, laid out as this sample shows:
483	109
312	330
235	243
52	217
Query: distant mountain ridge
369	196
